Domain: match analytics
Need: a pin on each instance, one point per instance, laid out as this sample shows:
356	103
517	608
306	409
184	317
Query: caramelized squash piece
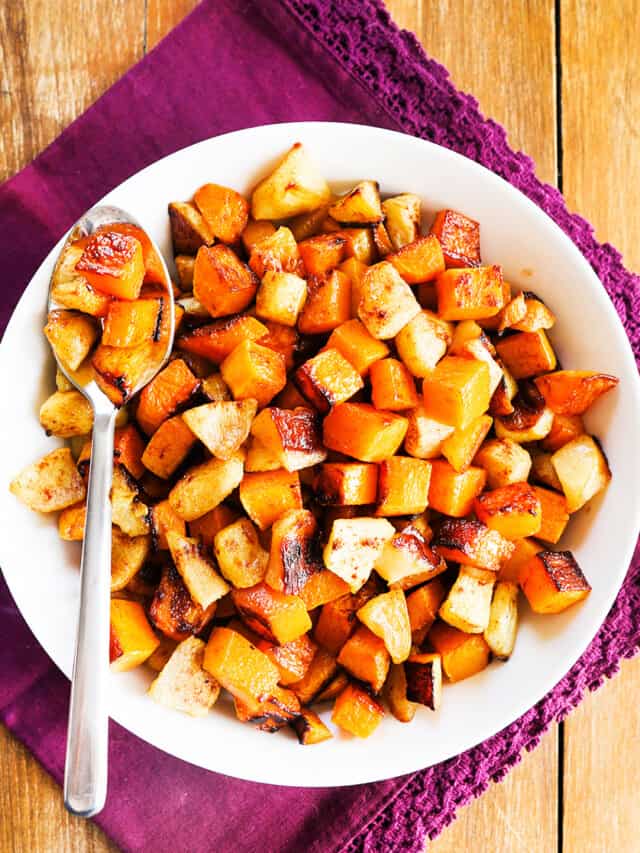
364	432
472	543
523	551
274	615
423	604
168	447
271	715
113	263
407	559
241	668
241	558
452	492
277	252
169	389
460	448
253	371
267	496
120	370
365	657
514	510
536	316
295	553
320	673
132	639
555	514
321	588
224	210
208	525
129	324
346	484
552	581
309	728
173	611
293	659
387	617
527	354
459	237
328	303
456	391
221	282
328	379
469	293
255	232
462	655
354	342
71	522
322	253
71	289
403	486
563	430
572	392
419	261
218	340
392	386
357	712
424	679
337	620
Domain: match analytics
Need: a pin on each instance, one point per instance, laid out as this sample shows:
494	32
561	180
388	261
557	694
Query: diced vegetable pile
359	454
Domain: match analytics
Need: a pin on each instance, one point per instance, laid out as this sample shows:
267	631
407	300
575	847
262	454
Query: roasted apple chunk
183	684
71	336
552	581
241	558
198	572
387	302
294	187
66	414
402	218
500	633
353	547
387	617
132	639
50	484
223	426
295	553
468	603
505	462
189	230
582	470
205	486
360	205
395	693
407	559
472	543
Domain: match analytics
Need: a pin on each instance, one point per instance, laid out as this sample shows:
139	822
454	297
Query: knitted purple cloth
275	60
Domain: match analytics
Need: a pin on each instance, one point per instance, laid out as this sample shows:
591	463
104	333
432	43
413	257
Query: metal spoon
85	778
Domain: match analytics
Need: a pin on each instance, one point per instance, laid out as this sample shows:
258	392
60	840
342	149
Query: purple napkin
273	60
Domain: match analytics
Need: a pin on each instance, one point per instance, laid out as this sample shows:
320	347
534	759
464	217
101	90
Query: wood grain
601	174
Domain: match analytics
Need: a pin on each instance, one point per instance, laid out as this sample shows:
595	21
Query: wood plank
162	17
512	51
54	62
601	170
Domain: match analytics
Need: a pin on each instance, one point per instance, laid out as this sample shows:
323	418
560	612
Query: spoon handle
85	779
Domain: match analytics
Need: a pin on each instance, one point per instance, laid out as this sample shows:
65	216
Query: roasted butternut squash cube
552	581
321	588
503	620
505	391
392	386
71	522
132	639
266	496
337	620
241	558
456	391
572	392
293	659
182	684
169	389
423	604
582	470
173	611
71	289
260	457
360	349
423	342
276	253
459	237
208	525
536	316
113	263
66	414
472	543
294	187
50	484
189	230
462	655
205	486
322	253
403	486
526	423
514	510
482	350
407	559
320	673
527	354
346	484
291	435
254	371
281	339
365	657
224	210
328	303
328	379
198	573
295	553
523	551
353	547
241	668
309	728
419	261
216	341
163	520
364	432
514	311
279	710
71	336
563	430
542	471
309	224
281	296
505	462
129	324
355	270
168	447
128	447
274	615
468	602
555	515
222	427
221	282
357	712
255	232
360	205
402	218
381	240
425	436
469	293
184	268
395	692
118	371
452	492
387	302
359	246
387	617
423	674
460	448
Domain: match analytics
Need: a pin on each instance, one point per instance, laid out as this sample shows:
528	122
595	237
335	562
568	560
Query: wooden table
562	78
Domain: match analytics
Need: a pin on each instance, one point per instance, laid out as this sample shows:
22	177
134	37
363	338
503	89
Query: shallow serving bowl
42	571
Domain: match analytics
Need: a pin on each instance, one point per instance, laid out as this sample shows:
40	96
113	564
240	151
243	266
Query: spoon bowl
85	781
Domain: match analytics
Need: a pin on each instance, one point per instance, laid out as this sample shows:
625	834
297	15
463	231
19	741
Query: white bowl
42	571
